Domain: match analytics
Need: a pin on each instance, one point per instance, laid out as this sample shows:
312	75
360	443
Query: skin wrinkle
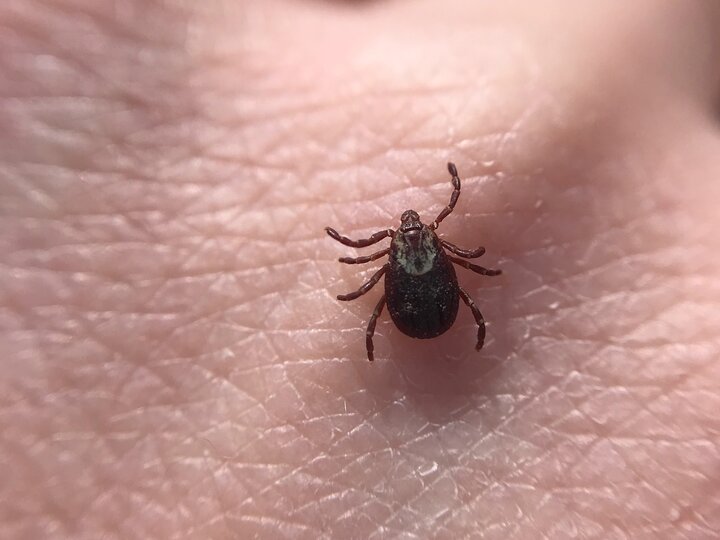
364	480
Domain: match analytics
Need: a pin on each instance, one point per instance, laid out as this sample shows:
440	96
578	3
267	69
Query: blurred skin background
174	362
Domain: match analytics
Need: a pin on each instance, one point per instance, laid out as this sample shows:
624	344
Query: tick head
414	247
410	221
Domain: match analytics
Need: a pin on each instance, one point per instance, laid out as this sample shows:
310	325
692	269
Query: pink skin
175	363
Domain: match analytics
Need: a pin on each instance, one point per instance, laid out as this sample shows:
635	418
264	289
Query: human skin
175	363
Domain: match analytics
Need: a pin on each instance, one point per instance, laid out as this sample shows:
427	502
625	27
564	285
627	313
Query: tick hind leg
478	318
453	198
374	239
371	328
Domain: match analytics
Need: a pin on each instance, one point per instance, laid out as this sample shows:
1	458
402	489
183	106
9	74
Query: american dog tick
421	288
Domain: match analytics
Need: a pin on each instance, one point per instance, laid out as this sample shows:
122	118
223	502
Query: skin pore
175	363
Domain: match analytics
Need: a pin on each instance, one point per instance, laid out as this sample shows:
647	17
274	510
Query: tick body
421	288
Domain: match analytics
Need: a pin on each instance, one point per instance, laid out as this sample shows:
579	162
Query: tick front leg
453	198
478	318
366	287
374	239
466	253
371	328
365	259
475	268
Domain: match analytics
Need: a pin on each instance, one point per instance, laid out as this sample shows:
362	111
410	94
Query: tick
421	288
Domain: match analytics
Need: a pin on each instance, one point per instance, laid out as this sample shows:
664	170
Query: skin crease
175	364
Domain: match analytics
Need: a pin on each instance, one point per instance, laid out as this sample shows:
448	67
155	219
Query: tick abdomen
422	305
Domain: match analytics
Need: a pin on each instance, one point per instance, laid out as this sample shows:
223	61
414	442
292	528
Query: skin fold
174	361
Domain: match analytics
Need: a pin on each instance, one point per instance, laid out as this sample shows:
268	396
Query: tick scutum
420	284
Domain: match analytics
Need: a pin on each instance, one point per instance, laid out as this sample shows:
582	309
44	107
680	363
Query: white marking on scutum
416	261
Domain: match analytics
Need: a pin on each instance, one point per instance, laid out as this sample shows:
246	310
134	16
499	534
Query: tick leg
478	318
466	253
365	259
374	239
366	286
371	328
475	268
453	198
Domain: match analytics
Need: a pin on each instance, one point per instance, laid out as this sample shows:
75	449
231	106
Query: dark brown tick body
421	288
